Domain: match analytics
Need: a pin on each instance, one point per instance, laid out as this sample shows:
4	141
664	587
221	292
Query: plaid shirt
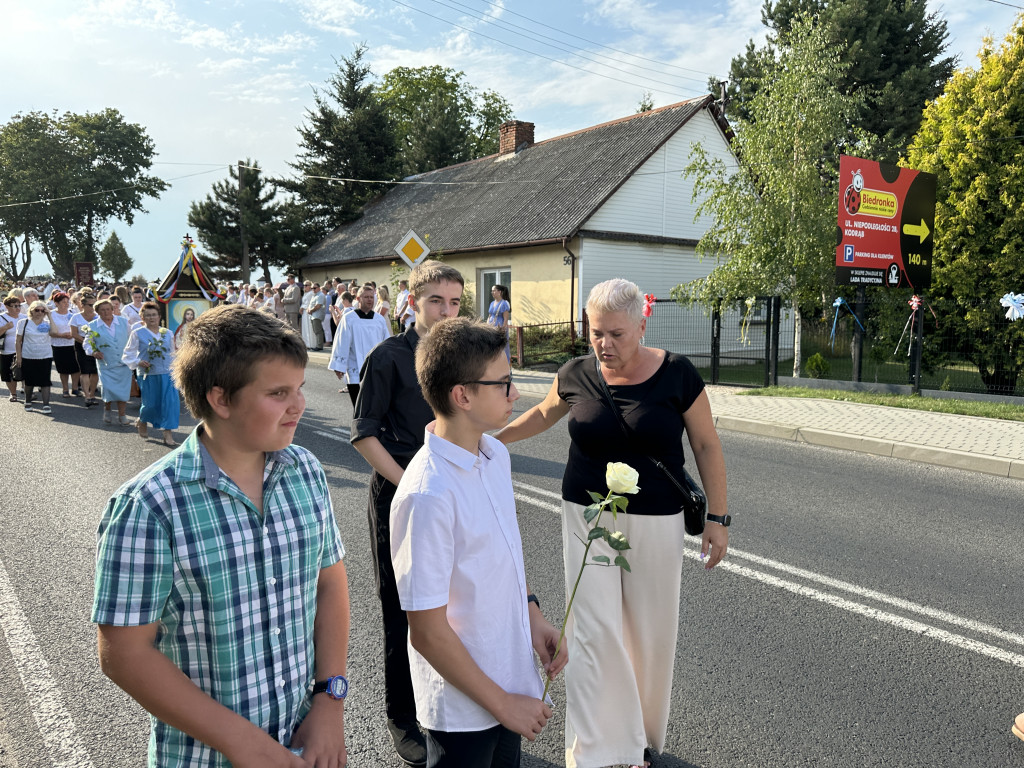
234	592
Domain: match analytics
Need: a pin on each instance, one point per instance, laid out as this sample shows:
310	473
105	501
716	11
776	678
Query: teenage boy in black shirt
390	416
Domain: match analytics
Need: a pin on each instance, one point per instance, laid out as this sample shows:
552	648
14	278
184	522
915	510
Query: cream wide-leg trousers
621	638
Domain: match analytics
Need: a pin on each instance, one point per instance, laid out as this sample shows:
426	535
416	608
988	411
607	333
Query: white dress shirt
455	541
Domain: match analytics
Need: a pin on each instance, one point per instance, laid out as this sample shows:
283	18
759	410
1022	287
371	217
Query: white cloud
336	16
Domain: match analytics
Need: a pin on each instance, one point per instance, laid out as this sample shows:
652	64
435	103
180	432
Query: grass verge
914	402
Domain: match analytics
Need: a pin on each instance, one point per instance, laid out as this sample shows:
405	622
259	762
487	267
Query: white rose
621	478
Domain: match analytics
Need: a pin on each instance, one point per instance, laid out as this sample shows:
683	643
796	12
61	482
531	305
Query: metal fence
880	340
940	345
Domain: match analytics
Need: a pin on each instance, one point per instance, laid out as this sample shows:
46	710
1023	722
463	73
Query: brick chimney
514	136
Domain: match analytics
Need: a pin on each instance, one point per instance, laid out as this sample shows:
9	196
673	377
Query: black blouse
653	409
390	406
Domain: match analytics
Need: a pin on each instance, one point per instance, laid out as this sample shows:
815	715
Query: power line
539	55
1008	5
80	195
425	182
600	45
529	35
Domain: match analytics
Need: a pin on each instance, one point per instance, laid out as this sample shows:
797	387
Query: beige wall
540	281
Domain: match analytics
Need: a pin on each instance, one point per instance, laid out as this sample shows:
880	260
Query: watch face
337	687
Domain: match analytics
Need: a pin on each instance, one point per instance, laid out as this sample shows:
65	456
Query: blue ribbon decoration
839	303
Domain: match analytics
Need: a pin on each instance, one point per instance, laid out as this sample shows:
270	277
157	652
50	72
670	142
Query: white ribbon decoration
1014	303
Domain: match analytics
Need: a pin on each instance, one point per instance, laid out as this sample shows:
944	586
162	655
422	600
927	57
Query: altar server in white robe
358	332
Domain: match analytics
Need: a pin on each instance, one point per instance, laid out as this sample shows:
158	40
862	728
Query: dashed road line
911	625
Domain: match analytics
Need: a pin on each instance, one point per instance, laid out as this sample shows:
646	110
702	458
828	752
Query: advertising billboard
886	225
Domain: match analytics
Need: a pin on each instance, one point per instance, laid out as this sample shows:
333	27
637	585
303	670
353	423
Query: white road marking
340	435
535	502
910	625
839	602
906	605
55	723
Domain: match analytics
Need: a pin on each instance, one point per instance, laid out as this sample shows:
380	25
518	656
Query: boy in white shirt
458	559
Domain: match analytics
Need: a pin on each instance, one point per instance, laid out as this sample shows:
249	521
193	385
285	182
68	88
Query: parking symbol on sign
848	254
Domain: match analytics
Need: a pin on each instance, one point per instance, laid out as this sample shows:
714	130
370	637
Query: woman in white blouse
63	344
34	353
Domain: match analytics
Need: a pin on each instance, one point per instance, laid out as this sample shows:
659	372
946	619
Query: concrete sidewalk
966	442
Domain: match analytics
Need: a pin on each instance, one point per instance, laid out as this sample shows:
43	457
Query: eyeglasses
38	311
506	383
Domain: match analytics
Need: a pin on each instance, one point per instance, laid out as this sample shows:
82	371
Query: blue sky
216	82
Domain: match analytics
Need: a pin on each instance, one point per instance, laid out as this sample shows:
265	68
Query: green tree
970	138
114	258
71	174
894	55
220	218
37	163
774	217
346	135
440	118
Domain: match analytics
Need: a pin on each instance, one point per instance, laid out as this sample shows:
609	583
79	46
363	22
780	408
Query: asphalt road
868	613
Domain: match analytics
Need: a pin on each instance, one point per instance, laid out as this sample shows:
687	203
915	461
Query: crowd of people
460	623
106	346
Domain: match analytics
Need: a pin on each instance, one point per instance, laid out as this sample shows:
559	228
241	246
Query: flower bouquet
154	351
93	337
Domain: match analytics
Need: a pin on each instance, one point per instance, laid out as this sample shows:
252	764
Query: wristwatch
532	598
336	687
725	520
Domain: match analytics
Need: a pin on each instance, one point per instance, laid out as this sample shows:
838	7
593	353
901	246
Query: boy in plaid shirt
221	596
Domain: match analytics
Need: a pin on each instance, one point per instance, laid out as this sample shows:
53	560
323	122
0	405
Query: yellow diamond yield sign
412	249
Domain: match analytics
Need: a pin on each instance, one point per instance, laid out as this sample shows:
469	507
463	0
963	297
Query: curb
972	462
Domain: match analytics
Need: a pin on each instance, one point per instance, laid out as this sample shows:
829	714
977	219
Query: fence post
716	341
776	321
767	339
858	334
918	350
520	347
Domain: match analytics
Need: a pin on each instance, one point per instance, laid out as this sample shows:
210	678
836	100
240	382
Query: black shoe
409	742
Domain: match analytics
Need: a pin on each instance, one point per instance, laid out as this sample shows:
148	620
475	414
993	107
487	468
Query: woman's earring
642	343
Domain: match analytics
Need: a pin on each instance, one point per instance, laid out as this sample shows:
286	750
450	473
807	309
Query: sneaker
410	745
45	409
107	418
28	406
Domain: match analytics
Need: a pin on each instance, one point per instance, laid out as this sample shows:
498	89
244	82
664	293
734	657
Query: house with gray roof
549	219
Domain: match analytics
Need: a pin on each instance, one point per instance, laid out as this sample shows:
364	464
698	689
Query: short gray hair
617	295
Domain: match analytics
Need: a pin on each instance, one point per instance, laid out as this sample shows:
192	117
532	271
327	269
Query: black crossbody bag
695	504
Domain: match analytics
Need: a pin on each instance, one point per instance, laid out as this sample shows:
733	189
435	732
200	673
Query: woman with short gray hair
623	628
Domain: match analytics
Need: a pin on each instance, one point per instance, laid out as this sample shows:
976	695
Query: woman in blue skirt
148	353
105	339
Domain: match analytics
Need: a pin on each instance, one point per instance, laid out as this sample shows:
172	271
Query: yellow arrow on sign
920	231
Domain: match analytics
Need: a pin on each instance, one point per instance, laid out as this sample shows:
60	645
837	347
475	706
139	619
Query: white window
488	279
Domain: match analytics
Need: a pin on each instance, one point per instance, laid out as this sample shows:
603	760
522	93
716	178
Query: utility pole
241	227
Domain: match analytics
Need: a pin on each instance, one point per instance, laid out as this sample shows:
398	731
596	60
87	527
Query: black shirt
653	409
390	405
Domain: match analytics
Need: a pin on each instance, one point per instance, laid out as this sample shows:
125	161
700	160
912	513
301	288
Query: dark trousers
353	392
497	747
399	702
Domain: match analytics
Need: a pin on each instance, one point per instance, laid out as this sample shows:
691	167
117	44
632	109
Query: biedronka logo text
869	202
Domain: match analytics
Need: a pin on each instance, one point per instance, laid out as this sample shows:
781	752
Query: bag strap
610	402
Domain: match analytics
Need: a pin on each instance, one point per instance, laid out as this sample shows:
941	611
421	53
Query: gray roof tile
544	192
